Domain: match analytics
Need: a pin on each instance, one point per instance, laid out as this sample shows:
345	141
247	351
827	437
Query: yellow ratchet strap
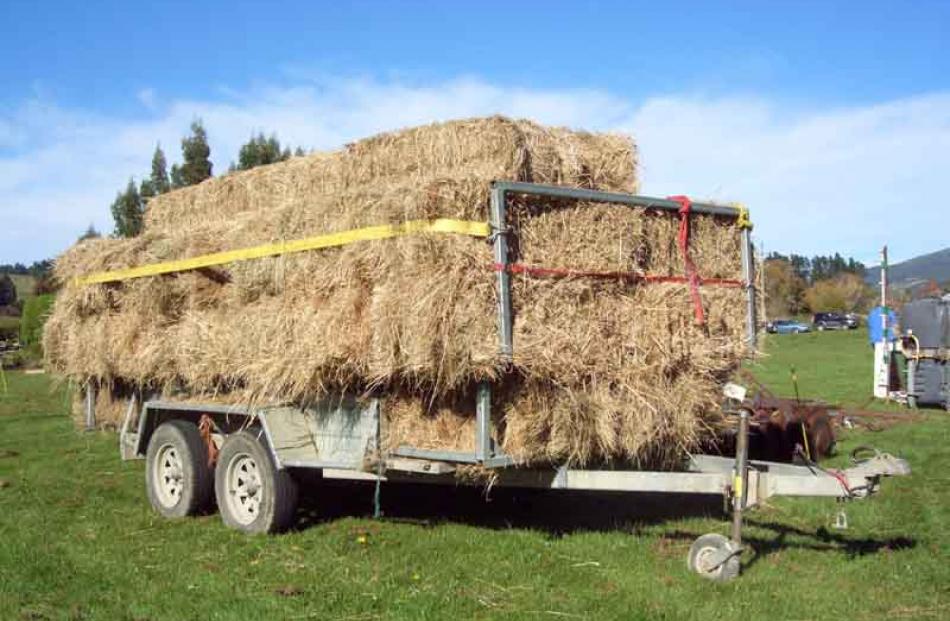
742	220
386	231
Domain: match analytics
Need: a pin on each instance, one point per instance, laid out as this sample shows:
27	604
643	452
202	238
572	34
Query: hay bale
602	369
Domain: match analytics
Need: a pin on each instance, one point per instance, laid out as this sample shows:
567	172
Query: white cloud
816	181
147	98
846	180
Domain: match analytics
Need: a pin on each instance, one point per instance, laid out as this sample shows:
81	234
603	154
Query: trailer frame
340	437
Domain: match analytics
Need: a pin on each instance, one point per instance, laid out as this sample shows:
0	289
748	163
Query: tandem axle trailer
255	453
245	458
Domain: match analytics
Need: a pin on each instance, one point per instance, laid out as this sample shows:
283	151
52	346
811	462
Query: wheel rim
244	488
704	561
168	475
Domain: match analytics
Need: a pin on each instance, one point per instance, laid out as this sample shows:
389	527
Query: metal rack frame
486	453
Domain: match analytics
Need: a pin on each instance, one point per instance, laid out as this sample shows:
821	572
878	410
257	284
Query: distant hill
916	271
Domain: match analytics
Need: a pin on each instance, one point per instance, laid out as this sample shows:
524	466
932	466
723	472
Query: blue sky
829	119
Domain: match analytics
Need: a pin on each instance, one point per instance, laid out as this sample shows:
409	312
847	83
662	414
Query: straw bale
603	369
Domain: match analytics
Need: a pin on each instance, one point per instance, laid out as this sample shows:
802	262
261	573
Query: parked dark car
853	320
787	326
830	321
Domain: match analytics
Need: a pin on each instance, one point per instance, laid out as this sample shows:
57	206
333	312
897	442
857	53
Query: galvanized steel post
741	476
748	275
500	240
483	441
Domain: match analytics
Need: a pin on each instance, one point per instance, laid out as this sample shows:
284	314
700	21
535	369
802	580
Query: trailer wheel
253	495
178	480
714	557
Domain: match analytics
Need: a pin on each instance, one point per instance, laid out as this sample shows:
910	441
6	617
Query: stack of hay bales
603	369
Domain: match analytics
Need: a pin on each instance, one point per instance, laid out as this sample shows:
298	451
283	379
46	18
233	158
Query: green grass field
78	540
24	284
832	366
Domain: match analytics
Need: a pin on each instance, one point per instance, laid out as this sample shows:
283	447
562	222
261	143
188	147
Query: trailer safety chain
205	427
691	273
851	492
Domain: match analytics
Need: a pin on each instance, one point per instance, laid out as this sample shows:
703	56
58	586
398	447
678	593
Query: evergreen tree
260	151
195	167
299	152
159	180
7	290
146	191
39	268
127	211
176	177
91	233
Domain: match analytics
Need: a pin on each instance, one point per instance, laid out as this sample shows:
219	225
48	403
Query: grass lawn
78	540
833	366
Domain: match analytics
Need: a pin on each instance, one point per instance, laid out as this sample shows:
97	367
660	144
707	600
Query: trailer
246	458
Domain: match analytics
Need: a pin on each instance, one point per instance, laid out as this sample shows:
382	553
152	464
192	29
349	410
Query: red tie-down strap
560	272
691	274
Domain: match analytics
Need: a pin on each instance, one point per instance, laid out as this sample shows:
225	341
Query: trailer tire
253	495
178	480
706	558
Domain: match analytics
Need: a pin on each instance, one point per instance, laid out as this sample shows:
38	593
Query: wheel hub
715	557
707	560
244	488
169	476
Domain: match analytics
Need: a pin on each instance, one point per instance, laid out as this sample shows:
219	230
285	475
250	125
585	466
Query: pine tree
91	233
260	151
159	180
195	167
127	211
146	190
177	180
299	152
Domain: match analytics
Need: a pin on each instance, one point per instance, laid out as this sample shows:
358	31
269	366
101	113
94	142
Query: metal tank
926	330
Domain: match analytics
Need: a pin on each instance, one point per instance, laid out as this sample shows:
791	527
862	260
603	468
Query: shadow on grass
790	538
555	512
558	513
820	540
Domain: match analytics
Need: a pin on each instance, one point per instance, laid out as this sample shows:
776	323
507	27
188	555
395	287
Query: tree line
41	271
36	269
820	267
128	208
796	284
